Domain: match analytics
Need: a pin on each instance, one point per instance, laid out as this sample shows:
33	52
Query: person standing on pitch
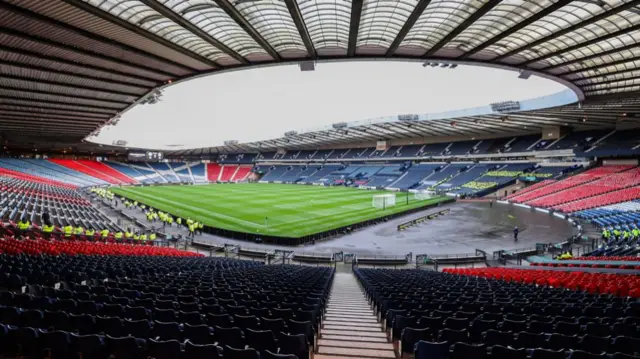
515	234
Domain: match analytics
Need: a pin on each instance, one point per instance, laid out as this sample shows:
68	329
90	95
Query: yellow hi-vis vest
104	232
68	230
23	225
118	235
90	232
143	237
128	234
48	229
79	230
136	237
152	237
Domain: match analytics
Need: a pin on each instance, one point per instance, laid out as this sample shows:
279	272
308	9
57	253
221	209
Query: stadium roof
68	67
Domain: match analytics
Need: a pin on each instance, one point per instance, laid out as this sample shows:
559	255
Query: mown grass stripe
292	211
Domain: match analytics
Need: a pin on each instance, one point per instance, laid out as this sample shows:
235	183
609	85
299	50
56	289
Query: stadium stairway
350	328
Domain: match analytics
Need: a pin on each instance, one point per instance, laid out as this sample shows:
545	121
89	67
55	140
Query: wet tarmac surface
469	226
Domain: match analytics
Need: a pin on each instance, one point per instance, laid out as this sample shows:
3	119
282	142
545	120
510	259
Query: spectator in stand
47	229
23	225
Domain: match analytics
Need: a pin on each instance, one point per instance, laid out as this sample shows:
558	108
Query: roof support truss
354	26
504	34
415	15
127	25
570	29
247	27
168	13
294	11
581	45
463	26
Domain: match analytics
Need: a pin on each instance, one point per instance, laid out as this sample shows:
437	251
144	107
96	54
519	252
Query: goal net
422	195
383	201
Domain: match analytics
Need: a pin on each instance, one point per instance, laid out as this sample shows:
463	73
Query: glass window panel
501	18
610	77
561	19
382	20
272	20
624	83
439	19
630	65
215	22
601	46
590	32
139	14
605	92
327	22
627	54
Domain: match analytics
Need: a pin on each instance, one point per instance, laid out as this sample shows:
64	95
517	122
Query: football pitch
271	209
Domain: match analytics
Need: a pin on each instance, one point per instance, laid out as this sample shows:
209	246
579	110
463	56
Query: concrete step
351	323
355	344
374	328
357	352
359	313
356	319
326	356
378	334
352	338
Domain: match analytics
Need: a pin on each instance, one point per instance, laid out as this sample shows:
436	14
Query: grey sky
263	103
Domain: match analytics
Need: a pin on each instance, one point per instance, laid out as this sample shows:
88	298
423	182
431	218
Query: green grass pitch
291	211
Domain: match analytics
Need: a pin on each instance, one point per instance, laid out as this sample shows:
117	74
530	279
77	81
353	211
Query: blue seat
431	350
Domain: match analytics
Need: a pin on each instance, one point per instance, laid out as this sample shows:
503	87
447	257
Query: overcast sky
263	103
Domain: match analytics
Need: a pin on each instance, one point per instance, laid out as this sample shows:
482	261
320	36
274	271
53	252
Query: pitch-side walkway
350	329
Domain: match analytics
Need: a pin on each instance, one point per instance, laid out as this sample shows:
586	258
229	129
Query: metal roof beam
72	86
294	11
52	110
98	109
448	130
600	66
630	79
354	26
53	125
427	129
462	126
619	87
104	57
28	114
58	94
581	45
411	20
137	30
47	20
491	128
168	13
408	127
247	27
36	55
590	57
625	71
385	130
144	89
521	25
463	26
571	28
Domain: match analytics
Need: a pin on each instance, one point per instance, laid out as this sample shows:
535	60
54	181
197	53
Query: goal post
382	201
422	195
